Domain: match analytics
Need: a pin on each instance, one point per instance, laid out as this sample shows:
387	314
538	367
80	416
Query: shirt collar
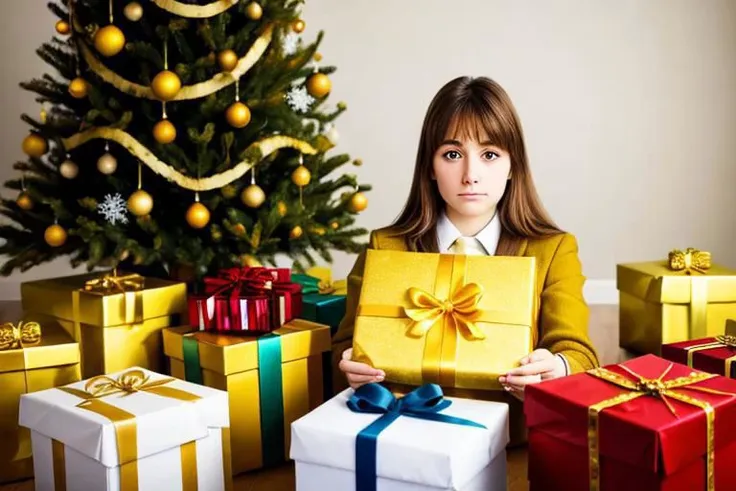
488	237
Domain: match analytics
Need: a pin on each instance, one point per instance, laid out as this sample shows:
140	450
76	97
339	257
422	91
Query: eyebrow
459	143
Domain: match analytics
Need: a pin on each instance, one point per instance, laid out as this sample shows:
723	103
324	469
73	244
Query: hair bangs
476	120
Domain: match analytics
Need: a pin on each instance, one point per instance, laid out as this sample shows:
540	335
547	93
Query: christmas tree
181	136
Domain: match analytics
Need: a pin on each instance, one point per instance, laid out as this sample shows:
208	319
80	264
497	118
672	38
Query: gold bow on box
326	285
689	260
460	310
112	283
24	334
726	340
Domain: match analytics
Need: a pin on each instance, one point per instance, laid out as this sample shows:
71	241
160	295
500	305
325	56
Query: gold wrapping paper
661	305
230	363
51	362
115	329
459	321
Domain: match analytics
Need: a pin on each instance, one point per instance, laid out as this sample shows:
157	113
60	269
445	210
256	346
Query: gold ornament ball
78	88
357	162
282	208
140	203
133	11
227	59
165	85
55	235
298	26
69	169
296	232
301	176
342	105
34	145
249	261
62	27
198	216
229	191
319	231
358	202
334	225
24	201
319	85
109	40
239	229
164	131
254	11
253	196
107	164
317	57
238	115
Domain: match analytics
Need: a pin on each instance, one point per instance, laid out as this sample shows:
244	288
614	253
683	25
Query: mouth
472	195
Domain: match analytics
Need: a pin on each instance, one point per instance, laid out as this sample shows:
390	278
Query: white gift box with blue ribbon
367	440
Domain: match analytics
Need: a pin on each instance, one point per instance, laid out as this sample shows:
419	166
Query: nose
471	173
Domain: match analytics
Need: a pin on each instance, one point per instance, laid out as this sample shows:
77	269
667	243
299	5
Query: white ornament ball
107	164
69	169
133	11
332	135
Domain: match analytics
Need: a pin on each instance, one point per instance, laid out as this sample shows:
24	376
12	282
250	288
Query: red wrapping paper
643	446
246	300
712	360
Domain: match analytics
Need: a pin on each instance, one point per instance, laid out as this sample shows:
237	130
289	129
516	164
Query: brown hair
473	108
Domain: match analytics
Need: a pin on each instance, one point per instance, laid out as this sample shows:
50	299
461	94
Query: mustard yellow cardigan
563	313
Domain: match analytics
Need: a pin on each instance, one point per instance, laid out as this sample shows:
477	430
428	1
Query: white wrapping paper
412	453
163	426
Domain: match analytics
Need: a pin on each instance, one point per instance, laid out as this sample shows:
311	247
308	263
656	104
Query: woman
473	193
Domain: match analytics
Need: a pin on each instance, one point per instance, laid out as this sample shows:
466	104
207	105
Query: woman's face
471	176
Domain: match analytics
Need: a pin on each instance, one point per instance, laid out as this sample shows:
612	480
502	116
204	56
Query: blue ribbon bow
424	402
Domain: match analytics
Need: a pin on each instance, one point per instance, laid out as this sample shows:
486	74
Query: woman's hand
359	373
537	366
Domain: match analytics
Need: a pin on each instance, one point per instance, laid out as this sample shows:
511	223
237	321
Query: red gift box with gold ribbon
246	300
647	424
713	355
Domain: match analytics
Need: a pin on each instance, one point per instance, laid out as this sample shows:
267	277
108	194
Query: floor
603	332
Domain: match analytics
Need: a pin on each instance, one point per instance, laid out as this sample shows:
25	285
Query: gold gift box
230	363
116	330
472	317
52	362
659	305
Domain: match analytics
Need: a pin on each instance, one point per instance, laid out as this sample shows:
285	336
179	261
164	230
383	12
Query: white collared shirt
483	243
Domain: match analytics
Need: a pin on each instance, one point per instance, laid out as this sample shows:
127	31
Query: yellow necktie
460	246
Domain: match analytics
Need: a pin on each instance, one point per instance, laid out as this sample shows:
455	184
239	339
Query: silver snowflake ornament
299	100
290	43
114	208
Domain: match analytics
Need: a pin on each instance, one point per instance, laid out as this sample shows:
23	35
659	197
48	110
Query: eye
452	155
490	155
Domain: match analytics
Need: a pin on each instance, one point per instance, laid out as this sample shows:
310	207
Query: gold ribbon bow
113	282
24	334
662	390
460	310
133	381
727	340
326	286
689	260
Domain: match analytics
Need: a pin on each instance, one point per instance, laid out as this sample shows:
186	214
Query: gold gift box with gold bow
35	354
116	317
459	321
681	298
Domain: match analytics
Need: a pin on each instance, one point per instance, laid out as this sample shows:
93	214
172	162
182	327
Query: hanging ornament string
195	11
188	92
166	67
111	19
263	148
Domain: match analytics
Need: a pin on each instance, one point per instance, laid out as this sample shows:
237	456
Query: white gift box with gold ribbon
128	431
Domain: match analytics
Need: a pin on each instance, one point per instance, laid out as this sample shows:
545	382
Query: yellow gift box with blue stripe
271	380
680	298
323	300
35	354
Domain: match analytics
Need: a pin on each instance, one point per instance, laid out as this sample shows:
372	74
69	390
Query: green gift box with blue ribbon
271	380
324	301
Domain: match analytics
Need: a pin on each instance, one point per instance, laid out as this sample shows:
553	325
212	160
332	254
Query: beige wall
629	107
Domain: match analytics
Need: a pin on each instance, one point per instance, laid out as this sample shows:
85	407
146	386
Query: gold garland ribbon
691	261
124	422
442	316
266	146
187	92
659	389
195	11
24	334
